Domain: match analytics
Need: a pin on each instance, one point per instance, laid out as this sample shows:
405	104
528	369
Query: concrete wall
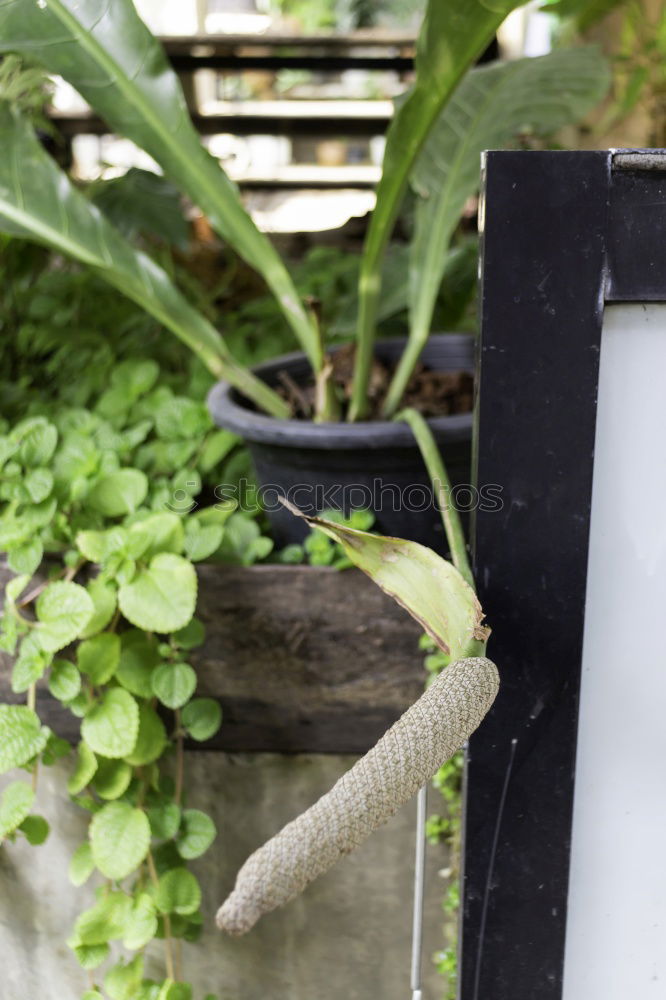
346	938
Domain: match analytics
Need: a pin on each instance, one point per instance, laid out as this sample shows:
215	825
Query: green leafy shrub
102	517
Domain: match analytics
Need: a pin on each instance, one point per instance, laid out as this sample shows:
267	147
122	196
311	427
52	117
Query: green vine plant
102	608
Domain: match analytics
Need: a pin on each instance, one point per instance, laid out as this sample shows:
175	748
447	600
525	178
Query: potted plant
121	70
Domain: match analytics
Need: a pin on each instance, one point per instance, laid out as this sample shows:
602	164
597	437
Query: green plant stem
442	487
180	760
167	920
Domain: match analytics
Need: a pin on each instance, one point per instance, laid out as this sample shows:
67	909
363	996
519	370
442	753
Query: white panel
616	928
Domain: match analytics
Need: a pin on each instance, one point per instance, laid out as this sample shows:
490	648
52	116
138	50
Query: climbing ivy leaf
103	922
122	981
35	829
81	865
64	680
201	718
111	726
91	956
26	558
86	765
164	820
103	596
99	657
119	493
178	892
138	657
112	778
31	663
161	532
63	610
162	597
141	925
15	805
120	838
174	683
151	738
196	835
21	736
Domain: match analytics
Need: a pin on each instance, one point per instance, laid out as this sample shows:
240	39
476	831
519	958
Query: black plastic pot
350	466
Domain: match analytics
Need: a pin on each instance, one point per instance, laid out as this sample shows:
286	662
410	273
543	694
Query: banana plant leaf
453	35
427	586
107	53
488	111
38	202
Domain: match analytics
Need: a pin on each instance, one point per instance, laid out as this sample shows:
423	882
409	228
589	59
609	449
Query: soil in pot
370	464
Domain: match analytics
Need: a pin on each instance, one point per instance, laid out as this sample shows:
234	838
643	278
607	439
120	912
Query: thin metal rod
419	883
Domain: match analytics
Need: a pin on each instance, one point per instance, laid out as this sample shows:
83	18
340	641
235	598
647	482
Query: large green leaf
108	54
453	34
489	109
427	586
38	202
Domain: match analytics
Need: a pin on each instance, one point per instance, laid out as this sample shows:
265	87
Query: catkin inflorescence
364	798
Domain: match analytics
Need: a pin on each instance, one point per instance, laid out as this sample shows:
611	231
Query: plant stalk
441	484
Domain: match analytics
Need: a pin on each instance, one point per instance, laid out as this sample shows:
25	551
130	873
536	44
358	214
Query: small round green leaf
38	440
141	925
86	765
151	738
174	683
196	835
119	493
15	804
112	778
30	664
120	838
178	892
123	980
21	736
26	558
35	829
63	610
39	483
164	820
105	921
162	597
138	657
193	634
81	865
99	657
91	956
104	600
111	726
202	718
64	680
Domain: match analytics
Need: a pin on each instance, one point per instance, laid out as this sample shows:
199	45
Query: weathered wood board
301	659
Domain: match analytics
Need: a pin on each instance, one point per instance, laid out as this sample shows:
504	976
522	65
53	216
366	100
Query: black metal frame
563	233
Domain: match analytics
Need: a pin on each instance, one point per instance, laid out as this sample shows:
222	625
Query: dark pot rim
229	411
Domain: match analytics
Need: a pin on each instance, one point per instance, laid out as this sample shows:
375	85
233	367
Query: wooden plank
301	659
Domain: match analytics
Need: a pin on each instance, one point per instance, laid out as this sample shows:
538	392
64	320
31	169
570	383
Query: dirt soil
434	394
